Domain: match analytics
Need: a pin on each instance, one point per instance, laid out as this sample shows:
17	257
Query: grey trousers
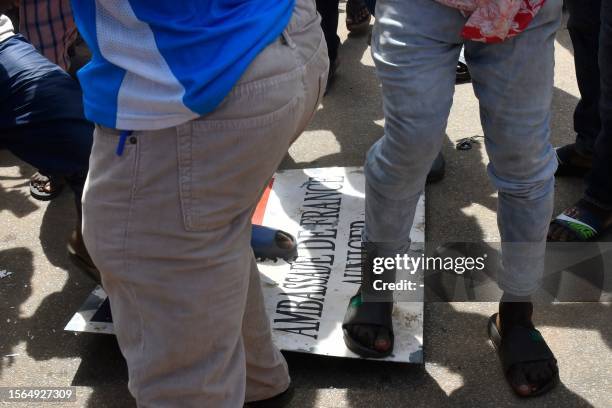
415	46
168	224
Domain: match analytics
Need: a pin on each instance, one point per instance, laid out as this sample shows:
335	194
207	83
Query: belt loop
288	39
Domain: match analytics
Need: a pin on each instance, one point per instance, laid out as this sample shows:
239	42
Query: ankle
515	311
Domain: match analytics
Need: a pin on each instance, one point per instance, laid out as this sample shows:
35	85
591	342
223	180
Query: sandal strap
376	314
585	227
520	344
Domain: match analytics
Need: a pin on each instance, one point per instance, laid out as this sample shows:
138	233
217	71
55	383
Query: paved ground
461	368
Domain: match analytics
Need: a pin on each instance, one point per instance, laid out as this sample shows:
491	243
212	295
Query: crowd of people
170	123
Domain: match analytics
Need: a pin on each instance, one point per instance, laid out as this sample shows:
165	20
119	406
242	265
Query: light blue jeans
415	46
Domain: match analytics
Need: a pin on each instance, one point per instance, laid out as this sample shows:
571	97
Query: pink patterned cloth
494	21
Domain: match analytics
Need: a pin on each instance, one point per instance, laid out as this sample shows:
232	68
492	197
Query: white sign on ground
306	300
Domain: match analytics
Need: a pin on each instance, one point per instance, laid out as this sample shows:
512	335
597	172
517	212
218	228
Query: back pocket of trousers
224	164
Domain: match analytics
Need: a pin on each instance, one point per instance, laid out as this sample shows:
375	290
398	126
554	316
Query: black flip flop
521	345
39	179
354	8
566	168
376	314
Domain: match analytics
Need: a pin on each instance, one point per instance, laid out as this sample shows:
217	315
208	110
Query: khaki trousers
168	225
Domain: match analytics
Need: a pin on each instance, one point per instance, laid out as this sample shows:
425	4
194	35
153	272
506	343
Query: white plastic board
306	300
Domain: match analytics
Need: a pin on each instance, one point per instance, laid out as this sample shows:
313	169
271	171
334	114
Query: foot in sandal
45	188
357	16
529	365
583	221
270	243
367	325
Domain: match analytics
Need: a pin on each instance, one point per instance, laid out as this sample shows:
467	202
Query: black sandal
522	345
39	183
376	314
357	16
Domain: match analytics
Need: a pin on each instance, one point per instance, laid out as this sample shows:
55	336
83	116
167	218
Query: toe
519	382
383	341
364	335
283	240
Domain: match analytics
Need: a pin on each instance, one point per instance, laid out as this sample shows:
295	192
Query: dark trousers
57	148
599	183
590	28
41	114
328	9
583	26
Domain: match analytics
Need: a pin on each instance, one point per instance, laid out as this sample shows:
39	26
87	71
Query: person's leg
168	224
41	117
415	46
592	214
583	27
60	147
266	370
599	190
328	9
42	123
357	17
415	62
36	90
58	29
514	84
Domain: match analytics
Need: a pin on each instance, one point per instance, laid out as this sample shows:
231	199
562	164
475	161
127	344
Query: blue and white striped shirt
157	64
